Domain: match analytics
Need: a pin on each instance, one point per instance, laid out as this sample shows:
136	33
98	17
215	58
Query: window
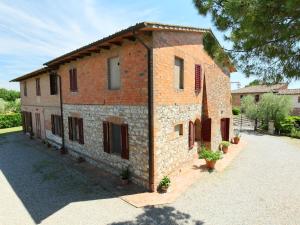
114	78
256	98
191	135
241	96
178	73
115	139
178	129
56	125
53	84
298	99
76	129
38	86
25	88
197	78
73	79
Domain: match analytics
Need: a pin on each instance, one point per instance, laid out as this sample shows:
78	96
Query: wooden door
225	124
38	125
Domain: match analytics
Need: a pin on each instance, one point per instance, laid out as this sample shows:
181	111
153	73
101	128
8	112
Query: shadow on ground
161	215
45	181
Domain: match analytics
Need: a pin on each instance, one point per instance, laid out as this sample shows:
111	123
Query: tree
250	109
265	34
9	95
274	107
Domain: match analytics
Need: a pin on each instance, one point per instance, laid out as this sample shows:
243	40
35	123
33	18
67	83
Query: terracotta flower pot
125	181
225	149
236	140
210	164
164	189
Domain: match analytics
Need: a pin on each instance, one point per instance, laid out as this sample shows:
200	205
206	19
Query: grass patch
10	130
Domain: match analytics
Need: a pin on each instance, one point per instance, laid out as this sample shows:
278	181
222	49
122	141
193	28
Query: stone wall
172	150
92	149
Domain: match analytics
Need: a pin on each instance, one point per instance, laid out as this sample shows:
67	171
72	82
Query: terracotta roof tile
260	89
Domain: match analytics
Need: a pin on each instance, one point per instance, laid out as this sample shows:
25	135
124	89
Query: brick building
146	98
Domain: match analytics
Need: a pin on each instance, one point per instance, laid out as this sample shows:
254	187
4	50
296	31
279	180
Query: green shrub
210	155
236	111
288	124
295	133
10	120
165	182
225	143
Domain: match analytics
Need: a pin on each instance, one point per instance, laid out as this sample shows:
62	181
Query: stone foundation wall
172	150
92	150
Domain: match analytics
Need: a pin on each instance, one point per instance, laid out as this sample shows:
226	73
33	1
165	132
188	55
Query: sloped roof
289	92
31	74
260	89
115	38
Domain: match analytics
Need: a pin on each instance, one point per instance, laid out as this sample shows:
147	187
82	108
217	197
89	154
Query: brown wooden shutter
23	121
71	79
197	78
125	140
30	123
106	141
75	79
80	130
191	135
206	130
52	124
70	128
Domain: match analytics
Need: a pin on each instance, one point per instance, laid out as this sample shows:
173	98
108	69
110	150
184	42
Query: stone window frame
179	88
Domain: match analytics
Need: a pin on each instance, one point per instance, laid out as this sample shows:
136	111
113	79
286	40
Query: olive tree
249	108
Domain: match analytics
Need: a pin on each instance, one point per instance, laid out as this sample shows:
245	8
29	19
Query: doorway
225	124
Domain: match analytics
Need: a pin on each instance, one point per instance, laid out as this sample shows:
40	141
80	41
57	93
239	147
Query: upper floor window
114	78
38	87
25	88
298	99
73	79
53	84
178	73
198	78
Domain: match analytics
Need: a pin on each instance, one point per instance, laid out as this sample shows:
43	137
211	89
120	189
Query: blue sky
33	32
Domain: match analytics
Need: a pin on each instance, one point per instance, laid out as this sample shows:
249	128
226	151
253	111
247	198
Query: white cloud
33	32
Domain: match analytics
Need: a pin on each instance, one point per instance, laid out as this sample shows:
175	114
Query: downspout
63	149
150	113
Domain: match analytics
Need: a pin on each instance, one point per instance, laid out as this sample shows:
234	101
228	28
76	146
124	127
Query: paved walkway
261	186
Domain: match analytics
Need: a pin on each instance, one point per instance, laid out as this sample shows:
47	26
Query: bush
9	95
210	155
225	143
288	124
295	133
10	120
236	111
165	182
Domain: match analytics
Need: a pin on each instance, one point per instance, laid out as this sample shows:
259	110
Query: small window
114	78
25	88
38	86
76	129
298	99
178	129
241	96
53	84
73	79
178	73
198	72
191	135
56	124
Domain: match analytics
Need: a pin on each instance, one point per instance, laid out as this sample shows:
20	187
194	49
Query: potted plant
236	138
224	146
164	184
125	174
211	157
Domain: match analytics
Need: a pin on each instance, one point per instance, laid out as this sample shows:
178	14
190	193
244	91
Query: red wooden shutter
70	128
125	144
197	78
75	79
191	135
206	130
52	124
106	141
80	130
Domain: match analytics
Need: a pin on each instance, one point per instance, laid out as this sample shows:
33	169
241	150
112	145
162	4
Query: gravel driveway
261	186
